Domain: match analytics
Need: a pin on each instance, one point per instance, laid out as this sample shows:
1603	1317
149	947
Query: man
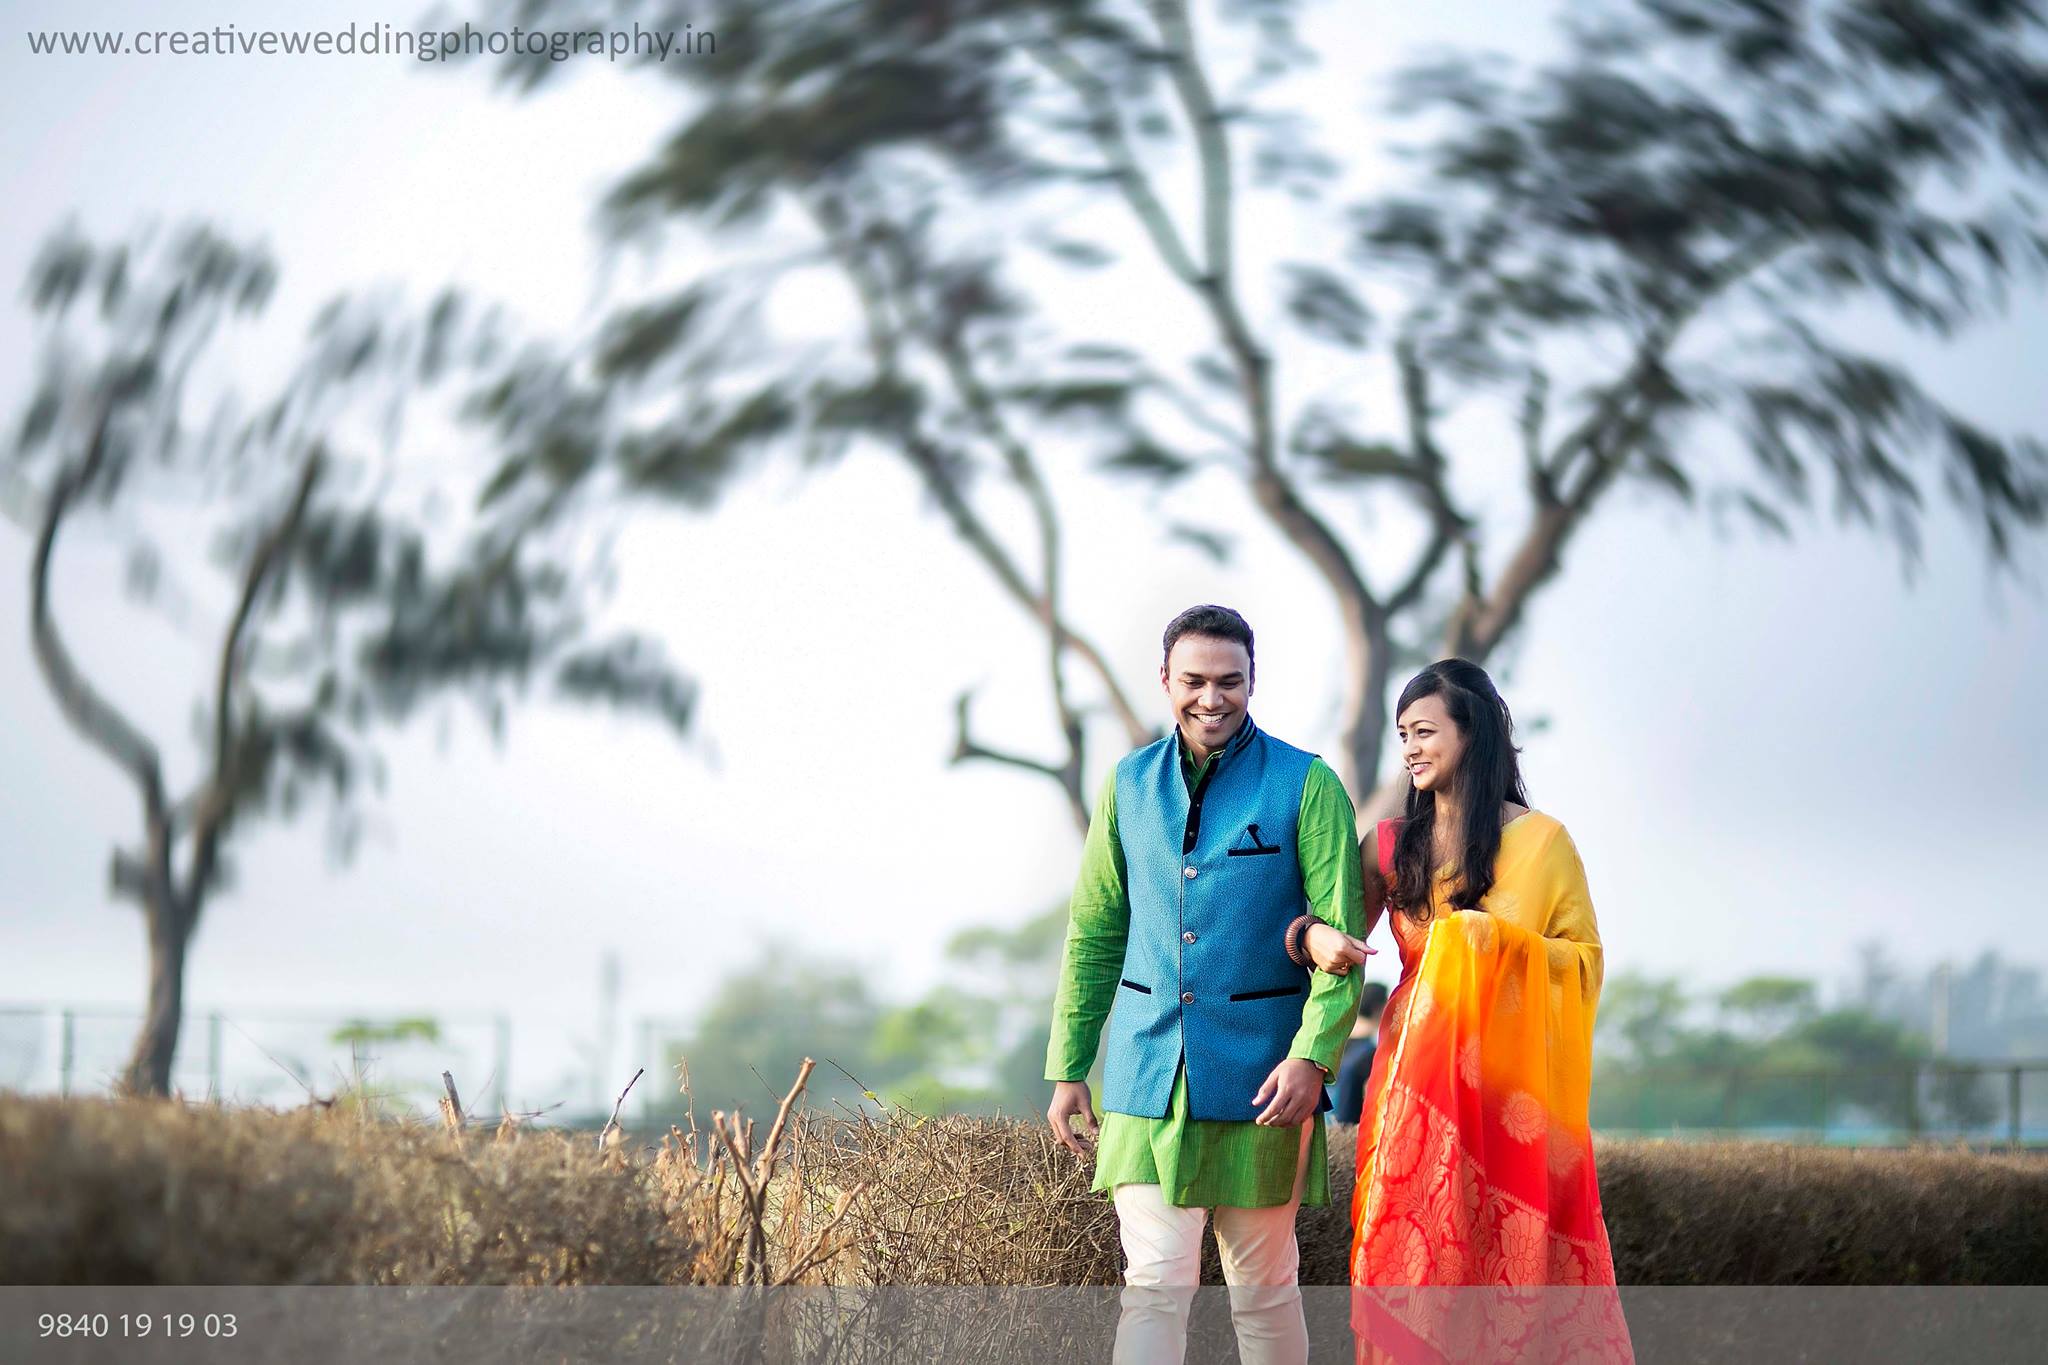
1356	1067
1201	853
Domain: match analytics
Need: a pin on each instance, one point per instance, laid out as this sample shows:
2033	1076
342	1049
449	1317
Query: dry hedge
138	1192
958	1200
1777	1213
158	1192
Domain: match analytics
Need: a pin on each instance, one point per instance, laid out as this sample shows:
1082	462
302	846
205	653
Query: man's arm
1326	842
1098	924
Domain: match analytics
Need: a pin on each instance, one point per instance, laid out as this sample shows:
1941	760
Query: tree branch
90	714
1206	119
953	352
1107	129
128	877
1535	410
1190	407
966	749
1594	454
931	464
1363	619
216	806
1447	526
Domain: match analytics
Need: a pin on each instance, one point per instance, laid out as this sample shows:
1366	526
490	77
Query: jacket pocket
1142	990
1251	852
1275	993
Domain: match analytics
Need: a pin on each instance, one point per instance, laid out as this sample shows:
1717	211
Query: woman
1475	1160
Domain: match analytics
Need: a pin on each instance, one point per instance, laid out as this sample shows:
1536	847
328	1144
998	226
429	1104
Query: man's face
1208	681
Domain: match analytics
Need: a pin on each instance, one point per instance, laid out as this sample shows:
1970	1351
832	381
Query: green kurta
1207	1163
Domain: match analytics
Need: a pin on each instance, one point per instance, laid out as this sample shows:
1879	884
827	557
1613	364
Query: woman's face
1430	744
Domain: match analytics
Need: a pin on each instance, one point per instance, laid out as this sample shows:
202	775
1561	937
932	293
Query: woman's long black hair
1487	776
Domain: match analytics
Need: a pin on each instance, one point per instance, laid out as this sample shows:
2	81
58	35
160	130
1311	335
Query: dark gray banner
305	1325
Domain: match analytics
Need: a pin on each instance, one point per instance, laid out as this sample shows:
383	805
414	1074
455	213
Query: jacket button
1188	872
1188	937
1187	997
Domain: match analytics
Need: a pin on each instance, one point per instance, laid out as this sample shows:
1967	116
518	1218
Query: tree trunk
149	1066
1366	719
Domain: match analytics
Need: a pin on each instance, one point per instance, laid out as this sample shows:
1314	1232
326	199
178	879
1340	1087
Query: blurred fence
268	1057
1998	1102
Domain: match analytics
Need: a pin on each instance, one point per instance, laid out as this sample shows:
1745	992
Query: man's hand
1071	1101
1290	1093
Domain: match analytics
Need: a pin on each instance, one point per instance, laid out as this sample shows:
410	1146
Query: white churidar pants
1163	1265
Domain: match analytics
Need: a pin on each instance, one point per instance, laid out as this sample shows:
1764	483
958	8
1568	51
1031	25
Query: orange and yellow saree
1476	1226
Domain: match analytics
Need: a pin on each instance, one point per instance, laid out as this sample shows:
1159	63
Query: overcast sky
1767	753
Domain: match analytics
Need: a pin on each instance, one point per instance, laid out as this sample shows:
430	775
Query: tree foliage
1655	257
974	1043
1774	1056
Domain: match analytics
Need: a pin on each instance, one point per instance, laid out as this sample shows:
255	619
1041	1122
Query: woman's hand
1333	950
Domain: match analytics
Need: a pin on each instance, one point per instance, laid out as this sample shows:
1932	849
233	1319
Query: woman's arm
1375	885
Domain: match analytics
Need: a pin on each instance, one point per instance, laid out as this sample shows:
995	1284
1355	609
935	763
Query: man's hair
1220	622
1372	999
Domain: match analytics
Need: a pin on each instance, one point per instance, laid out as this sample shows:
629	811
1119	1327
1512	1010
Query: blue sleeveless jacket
1213	880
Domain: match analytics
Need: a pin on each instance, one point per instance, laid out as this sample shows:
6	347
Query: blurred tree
361	1032
1635	249
340	615
973	1043
1640	1017
1010	973
1786	1062
1766	1006
766	1018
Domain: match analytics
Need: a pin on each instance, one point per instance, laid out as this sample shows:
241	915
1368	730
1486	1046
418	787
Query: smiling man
1204	849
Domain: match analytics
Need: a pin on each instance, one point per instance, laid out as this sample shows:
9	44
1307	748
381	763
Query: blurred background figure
1357	1061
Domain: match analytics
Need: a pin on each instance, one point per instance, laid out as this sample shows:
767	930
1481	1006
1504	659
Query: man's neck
1202	755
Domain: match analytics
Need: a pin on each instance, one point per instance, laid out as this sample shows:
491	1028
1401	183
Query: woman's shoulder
1538	842
1373	844
1537	830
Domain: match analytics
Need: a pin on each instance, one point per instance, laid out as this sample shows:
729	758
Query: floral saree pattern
1476	1225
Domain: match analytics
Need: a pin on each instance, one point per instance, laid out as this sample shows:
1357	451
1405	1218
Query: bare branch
222	789
1535	410
953	351
1106	127
1191	408
1199	101
1363	619
90	714
767	1158
451	1104
128	876
1447	525
611	1125
1586	463
940	479
966	749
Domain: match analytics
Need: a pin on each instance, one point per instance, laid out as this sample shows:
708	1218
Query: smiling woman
1475	1158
